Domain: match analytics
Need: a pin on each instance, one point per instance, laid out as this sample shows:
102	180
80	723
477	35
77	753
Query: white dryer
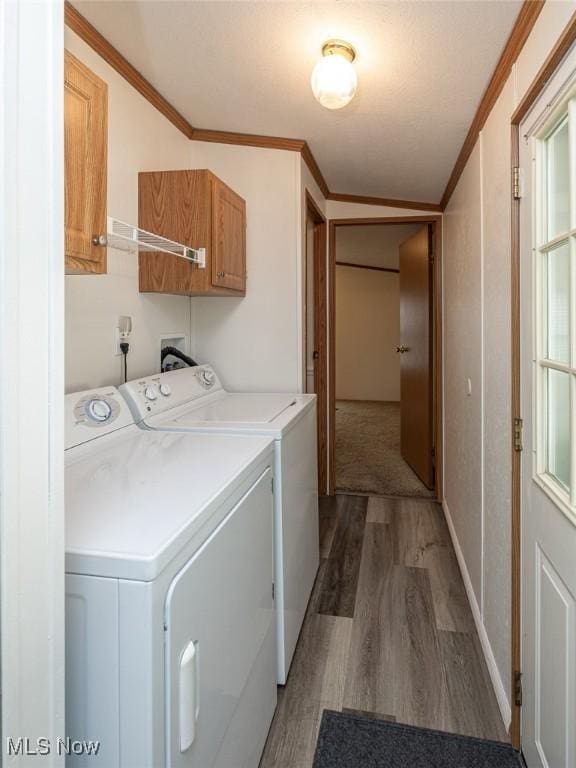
194	400
170	631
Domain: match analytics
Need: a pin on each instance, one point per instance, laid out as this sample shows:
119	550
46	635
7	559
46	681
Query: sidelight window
555	262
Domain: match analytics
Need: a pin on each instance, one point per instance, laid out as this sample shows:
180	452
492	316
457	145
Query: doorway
385	353
315	329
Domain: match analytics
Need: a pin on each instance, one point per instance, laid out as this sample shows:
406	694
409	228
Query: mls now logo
24	746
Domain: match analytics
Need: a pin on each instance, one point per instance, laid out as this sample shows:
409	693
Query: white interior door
548	297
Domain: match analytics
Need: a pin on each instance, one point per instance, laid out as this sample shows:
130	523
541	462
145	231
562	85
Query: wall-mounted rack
127	237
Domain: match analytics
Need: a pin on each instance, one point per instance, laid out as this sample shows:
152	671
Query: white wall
463	359
367	332
374	245
477	344
335	209
255	343
139	139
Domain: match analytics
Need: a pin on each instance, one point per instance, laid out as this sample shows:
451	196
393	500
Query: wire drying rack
127	237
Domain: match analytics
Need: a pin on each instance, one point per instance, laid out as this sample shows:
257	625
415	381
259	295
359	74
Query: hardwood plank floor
317	679
388	632
340	579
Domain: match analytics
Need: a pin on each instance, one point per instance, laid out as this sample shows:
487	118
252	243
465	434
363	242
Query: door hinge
517	183
518	688
273	591
272	485
518	429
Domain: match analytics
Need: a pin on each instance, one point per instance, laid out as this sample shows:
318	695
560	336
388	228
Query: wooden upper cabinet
197	209
228	238
85	158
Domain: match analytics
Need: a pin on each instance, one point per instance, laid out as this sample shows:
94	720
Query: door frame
435	220
314	213
551	64
32	387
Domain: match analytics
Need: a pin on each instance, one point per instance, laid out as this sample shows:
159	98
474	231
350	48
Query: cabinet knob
100	240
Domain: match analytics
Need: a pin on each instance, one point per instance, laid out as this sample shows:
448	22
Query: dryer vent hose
175	352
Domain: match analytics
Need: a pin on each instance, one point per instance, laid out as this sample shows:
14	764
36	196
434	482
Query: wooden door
85	157
416	408
548	406
315	330
228	238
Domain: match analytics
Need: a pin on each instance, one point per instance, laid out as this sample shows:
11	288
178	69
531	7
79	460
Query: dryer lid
238	409
134	500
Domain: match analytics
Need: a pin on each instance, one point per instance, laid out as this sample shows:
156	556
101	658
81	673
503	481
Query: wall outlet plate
124	324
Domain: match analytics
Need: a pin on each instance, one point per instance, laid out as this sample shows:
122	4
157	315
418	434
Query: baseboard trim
495	677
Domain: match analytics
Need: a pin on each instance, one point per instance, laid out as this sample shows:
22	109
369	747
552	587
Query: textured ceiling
245	66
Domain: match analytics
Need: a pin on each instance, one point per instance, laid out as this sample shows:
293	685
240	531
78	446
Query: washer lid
135	499
239	409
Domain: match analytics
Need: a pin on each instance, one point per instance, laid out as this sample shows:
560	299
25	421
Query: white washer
170	631
193	400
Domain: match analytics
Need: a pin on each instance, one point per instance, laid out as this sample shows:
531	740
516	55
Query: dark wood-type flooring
388	634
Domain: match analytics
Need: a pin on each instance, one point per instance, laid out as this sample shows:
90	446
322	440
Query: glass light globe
334	81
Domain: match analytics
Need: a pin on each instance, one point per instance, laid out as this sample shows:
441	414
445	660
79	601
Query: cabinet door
228	238
85	155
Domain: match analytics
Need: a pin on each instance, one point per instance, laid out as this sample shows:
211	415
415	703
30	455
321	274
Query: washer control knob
207	377
166	390
98	410
150	392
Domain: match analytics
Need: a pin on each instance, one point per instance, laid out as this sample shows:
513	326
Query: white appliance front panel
219	619
132	504
92	669
297	533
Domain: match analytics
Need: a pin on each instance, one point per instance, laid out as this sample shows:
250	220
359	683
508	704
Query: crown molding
82	27
553	60
526	19
266	142
521	30
78	24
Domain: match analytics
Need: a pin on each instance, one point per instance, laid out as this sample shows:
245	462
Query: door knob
100	240
402	349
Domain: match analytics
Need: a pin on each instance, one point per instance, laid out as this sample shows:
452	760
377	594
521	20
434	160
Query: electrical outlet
122	332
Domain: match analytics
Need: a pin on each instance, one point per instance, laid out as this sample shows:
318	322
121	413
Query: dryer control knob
165	389
98	410
150	392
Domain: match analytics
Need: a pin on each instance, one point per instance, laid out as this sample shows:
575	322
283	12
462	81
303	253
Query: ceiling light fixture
334	79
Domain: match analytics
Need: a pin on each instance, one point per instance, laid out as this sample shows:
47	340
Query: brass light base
339	48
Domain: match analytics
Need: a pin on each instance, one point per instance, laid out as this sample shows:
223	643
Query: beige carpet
368	456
